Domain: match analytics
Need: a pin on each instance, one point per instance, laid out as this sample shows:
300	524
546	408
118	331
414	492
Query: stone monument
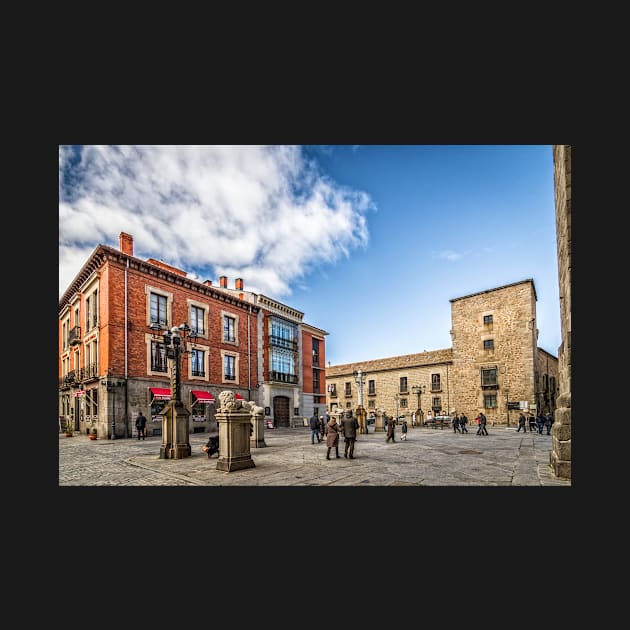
235	424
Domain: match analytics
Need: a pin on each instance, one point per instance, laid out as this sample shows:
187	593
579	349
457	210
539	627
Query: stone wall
560	458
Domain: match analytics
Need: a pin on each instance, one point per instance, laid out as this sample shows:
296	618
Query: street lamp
359	379
419	390
175	430
396	398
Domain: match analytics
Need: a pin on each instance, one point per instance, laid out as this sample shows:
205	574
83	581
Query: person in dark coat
463	421
390	429
349	428
403	430
141	423
212	446
539	423
521	423
332	436
548	422
314	424
482	424
532	422
322	425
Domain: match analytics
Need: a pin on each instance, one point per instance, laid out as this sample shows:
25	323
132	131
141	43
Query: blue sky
369	241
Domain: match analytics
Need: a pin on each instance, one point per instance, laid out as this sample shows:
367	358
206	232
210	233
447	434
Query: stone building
494	361
560	457
113	360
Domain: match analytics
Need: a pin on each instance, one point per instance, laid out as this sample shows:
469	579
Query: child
403	430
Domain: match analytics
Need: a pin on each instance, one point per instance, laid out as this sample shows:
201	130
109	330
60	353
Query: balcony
74	336
281	377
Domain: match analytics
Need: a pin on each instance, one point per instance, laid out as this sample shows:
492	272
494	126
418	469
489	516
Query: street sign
514	405
523	404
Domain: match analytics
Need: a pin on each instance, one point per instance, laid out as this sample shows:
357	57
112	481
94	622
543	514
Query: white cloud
450	255
265	214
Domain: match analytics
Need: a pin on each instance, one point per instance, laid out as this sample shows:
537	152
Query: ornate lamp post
175	430
419	390
359	378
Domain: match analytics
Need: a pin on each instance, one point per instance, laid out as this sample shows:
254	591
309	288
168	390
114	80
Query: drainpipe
127	432
249	355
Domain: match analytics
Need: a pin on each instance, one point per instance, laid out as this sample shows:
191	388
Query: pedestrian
403	431
314	424
390	429
212	446
539	423
482	423
521	423
548	422
332	436
141	423
322	426
478	421
463	421
413	418
349	426
456	424
532	422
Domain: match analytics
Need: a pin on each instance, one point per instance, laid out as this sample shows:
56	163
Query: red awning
161	393
203	397
238	397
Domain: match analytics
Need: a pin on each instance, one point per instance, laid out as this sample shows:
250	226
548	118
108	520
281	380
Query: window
348	389
283	334
197	318
283	366
487	319
371	404
228	328
316	352
316	381
490	401
332	389
488	344
158	357
158	310
229	367
197	363
489	377
436	383
371	388
348	405
403	402
403	384
436	404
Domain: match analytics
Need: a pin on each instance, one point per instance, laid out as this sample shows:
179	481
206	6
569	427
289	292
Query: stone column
175	432
361	415
379	423
234	420
257	416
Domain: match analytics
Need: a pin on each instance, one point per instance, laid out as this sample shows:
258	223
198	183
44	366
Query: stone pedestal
257	438
379	423
361	415
175	432
234	440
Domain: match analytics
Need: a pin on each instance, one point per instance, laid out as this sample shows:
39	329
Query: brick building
112	359
494	360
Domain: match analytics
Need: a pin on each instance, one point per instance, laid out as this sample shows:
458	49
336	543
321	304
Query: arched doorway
281	411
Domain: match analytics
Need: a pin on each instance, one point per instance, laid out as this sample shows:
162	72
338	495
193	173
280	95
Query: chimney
208	283
241	296
239	284
126	243
223	282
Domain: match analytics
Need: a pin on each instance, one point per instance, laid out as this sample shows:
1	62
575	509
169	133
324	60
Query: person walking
314	424
403	430
521	423
539	423
141	423
332	436
548	422
322	426
463	421
456	424
532	422
390	429
482	424
349	428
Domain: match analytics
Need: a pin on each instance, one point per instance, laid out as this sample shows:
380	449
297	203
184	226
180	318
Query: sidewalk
429	457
